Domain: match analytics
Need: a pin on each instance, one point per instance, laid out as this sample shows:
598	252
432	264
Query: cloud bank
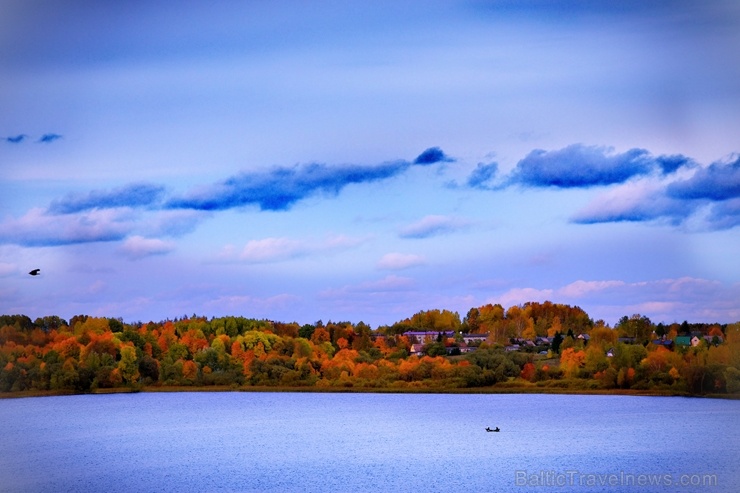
640	187
140	210
711	194
132	195
577	166
581	166
279	188
719	181
38	228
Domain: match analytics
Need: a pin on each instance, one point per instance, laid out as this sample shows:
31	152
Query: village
456	343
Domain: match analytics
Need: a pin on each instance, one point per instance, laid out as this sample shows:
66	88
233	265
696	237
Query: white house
474	338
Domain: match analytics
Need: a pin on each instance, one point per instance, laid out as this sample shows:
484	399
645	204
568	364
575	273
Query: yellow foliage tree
128	365
571	361
555	327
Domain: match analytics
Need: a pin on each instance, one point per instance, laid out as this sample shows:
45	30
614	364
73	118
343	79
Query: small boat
488	429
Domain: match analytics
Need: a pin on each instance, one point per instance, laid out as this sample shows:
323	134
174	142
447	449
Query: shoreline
369	390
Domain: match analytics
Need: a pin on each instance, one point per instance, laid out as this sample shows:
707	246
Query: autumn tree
528	372
94	325
555	327
519	321
320	335
129	365
571	361
435	320
603	336
491	321
595	360
637	326
189	371
149	369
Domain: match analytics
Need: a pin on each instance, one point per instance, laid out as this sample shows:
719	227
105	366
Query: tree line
561	348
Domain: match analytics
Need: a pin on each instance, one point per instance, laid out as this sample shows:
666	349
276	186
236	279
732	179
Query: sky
363	161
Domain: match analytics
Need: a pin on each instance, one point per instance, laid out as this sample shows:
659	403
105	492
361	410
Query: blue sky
366	160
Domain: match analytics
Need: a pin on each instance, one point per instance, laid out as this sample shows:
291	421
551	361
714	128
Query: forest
534	347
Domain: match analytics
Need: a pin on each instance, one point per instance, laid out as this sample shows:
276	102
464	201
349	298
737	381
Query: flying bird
35	272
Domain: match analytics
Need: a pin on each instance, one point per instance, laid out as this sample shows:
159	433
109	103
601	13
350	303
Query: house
684	341
461	349
666	343
716	340
520	341
474	338
425	336
417	349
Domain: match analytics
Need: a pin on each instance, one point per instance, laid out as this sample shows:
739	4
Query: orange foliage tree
571	361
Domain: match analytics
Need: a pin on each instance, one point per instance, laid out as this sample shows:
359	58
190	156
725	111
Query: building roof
683	341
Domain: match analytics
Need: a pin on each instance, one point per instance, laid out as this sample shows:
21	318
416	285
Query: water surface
314	442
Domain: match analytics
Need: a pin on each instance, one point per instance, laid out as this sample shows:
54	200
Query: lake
329	442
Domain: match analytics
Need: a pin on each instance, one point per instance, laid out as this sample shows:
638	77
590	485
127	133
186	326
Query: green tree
306	331
638	326
129	365
556	342
435	349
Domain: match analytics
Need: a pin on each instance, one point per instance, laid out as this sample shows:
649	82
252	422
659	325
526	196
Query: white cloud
171	222
390	283
579	289
637	201
7	269
433	225
137	247
275	249
38	228
97	287
272	249
399	261
517	296
236	302
342	241
663	300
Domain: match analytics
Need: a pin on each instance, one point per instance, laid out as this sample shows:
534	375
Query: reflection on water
366	442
